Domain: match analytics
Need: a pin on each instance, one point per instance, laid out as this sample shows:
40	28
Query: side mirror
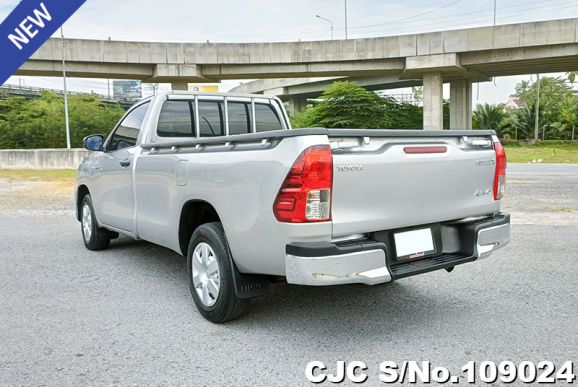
93	142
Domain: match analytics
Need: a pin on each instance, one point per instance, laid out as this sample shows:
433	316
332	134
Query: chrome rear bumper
366	267
491	239
367	261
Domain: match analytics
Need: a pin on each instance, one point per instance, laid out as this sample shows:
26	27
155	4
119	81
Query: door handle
125	163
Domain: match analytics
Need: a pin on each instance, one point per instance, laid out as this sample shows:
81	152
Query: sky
289	20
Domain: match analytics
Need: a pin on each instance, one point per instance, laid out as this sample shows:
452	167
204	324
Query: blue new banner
28	27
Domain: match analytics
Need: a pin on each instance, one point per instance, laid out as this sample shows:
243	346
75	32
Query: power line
479	17
470	12
427	12
413	19
477	12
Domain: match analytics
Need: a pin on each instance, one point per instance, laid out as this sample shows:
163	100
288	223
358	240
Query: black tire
227	306
99	238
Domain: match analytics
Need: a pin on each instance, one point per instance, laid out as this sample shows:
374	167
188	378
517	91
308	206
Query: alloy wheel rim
86	222
206	274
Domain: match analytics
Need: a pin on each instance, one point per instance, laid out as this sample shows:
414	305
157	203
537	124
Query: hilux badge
482	162
350	168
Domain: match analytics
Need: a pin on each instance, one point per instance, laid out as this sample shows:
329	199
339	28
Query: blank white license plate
413	242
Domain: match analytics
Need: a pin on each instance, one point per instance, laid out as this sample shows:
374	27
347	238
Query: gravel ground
125	316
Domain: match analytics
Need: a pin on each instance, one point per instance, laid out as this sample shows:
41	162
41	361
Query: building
514	103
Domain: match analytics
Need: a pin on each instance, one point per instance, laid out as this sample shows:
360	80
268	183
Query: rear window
239	117
211	118
266	118
176	119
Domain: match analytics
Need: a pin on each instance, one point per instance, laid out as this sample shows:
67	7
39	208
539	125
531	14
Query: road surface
125	316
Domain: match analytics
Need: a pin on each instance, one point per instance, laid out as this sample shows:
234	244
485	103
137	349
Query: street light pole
327	20
537	117
346	19
495	1
65	91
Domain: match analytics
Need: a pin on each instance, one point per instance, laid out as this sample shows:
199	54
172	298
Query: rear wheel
94	237
210	271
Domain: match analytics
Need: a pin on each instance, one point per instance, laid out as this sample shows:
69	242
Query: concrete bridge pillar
433	101
296	105
460	104
180	85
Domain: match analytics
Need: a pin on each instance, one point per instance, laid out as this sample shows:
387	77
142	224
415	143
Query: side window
239	117
211	117
266	118
176	119
126	134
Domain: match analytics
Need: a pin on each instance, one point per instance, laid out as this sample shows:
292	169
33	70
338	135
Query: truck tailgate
388	182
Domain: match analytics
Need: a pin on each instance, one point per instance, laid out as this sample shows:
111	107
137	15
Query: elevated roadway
459	57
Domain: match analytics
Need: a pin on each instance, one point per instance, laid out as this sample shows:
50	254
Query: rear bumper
492	238
368	262
361	262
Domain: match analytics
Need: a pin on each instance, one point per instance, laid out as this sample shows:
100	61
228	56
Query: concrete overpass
296	91
458	57
286	88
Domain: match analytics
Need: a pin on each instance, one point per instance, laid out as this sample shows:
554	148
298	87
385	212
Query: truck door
112	189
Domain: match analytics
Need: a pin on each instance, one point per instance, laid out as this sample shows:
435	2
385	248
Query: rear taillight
305	195
500	176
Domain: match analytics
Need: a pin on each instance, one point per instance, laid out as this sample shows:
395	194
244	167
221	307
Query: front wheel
95	238
210	271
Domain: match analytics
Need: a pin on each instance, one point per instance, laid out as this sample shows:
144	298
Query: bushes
39	123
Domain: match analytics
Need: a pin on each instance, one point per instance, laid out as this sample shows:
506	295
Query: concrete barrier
41	158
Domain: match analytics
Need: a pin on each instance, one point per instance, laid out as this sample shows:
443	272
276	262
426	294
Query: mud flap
249	285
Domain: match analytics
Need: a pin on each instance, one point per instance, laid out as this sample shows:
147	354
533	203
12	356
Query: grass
555	153
40	175
59	182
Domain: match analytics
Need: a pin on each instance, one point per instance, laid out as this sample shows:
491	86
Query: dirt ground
36	192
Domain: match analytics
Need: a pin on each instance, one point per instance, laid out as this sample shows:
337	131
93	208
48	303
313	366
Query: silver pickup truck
222	180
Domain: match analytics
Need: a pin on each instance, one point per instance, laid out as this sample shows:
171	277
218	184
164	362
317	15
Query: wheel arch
193	214
81	192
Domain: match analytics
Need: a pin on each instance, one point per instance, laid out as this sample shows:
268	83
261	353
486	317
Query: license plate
414	244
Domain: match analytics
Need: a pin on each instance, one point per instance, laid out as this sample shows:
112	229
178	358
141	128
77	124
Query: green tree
522	122
409	116
11	118
88	115
488	116
553	93
39	122
348	105
304	119
569	115
522	87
